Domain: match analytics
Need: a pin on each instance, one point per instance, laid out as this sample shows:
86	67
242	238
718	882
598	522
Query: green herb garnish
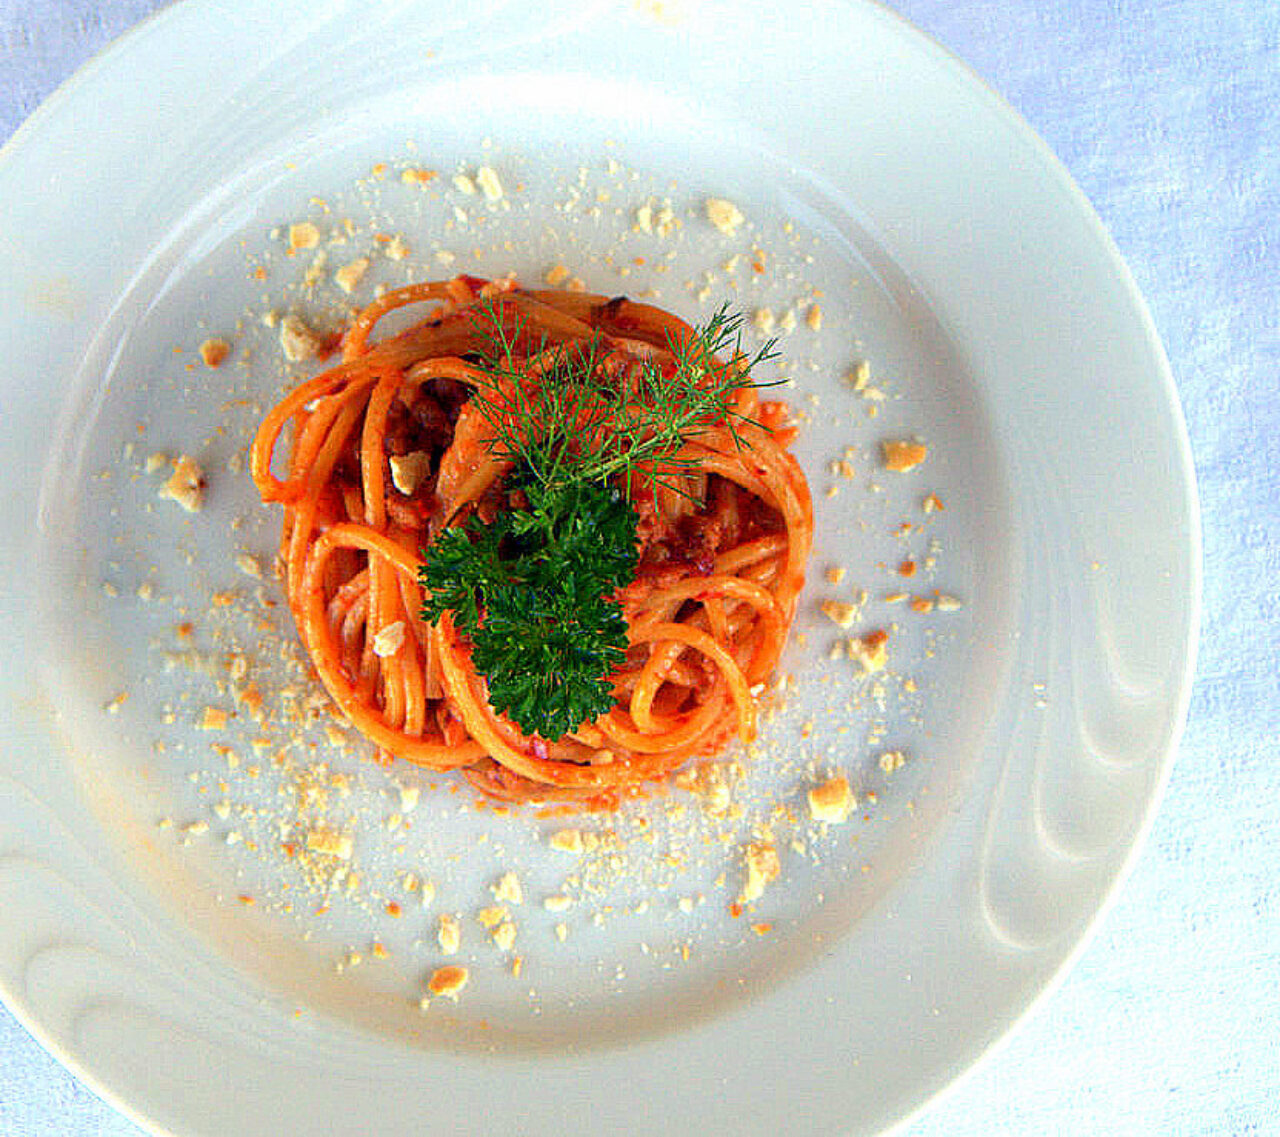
580	425
534	589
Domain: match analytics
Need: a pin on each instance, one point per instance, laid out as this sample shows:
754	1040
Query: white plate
951	251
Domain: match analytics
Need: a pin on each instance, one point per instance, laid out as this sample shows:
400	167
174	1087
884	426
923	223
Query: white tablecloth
1167	112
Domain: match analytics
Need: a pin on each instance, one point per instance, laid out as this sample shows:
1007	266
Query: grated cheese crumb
348	277
504	935
490	184
508	888
763	868
449	934
871	651
892	760
409	471
389	640
298	340
185	485
900	455
567	841
330	842
724	215
213	718
303	235
839	612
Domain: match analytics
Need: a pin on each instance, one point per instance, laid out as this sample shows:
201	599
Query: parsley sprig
534	589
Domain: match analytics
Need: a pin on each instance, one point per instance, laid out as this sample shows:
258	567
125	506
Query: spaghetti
389	448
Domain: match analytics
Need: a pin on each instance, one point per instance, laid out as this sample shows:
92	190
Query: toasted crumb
463	184
948	603
330	842
556	275
932	503
763	321
557	903
860	376
348	277
448	980
185	485
214	351
491	916
566	841
835	574
832	801
724	215
249	565
303	235
156	462
389	640
763	868
871	650
814	317
839	612
901	455
298	341
489	182
508	888
921	604
892	760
